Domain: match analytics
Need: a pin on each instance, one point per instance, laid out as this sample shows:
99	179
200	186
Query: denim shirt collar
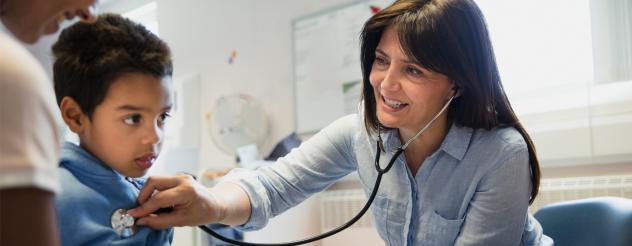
456	142
78	159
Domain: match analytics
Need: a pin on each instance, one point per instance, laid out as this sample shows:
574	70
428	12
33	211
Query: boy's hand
192	203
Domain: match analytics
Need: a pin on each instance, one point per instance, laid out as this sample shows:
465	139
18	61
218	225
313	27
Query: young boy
112	84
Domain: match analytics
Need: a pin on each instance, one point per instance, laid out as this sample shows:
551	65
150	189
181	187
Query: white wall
202	34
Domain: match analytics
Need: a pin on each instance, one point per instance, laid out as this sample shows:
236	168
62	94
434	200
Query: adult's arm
252	197
29	149
193	203
28	217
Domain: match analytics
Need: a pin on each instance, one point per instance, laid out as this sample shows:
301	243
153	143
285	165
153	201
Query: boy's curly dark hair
90	56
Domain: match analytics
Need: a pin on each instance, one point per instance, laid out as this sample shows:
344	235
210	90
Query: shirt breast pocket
437	230
389	219
380	215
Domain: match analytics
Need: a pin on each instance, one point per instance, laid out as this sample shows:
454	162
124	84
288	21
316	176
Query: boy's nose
154	135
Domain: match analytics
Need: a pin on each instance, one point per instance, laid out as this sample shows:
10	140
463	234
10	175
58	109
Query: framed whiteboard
326	63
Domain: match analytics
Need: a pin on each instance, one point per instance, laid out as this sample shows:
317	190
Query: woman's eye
380	61
413	71
132	120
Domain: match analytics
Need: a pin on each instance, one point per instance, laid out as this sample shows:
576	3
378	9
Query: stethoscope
124	224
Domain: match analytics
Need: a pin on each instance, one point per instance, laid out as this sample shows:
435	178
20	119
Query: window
612	40
558	59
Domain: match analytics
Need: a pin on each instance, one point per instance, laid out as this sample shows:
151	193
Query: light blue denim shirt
91	192
474	190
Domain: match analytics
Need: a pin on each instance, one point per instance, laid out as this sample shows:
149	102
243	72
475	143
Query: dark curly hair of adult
89	57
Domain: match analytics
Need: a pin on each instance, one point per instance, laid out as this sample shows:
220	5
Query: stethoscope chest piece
123	223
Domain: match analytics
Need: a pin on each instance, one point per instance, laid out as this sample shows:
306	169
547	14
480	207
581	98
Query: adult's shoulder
497	146
30	120
19	69
511	137
494	151
501	137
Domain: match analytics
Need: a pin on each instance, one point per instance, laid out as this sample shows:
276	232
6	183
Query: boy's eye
162	119
132	119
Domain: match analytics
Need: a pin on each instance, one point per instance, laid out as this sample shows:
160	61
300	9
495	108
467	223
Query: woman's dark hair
89	57
449	37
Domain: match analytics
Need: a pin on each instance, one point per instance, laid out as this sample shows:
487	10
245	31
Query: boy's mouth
146	160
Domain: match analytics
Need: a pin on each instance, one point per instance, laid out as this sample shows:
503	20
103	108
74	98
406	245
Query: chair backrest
601	221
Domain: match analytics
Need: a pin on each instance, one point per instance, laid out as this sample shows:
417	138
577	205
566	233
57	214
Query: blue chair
601	221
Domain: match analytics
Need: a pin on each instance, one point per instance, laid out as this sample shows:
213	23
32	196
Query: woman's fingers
156	202
162	221
162	192
158	183
190	208
191	203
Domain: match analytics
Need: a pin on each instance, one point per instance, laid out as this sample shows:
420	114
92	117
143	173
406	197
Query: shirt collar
391	139
456	142
75	158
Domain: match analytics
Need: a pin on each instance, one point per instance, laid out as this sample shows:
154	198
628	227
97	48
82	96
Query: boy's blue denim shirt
90	193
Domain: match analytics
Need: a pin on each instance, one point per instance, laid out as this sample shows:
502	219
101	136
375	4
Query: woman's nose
390	82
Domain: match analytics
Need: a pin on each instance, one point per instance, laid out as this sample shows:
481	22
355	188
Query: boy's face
126	129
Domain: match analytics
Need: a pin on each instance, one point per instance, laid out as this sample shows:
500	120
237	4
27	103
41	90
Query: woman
466	176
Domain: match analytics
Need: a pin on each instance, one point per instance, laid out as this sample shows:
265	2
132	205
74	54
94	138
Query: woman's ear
454	92
72	114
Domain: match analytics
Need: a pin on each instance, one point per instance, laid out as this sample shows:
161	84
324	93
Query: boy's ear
72	114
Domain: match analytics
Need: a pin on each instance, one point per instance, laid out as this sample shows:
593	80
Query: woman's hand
193	204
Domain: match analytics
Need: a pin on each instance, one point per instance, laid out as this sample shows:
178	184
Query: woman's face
28	20
407	95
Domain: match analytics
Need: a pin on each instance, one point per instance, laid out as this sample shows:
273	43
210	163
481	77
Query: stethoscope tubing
380	171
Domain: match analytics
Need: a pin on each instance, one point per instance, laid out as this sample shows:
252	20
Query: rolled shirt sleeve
310	168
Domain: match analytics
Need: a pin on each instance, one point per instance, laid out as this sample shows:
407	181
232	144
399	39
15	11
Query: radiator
565	189
338	206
